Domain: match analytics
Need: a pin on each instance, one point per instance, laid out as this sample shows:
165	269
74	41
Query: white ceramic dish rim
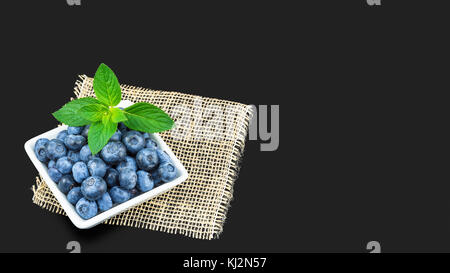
79	222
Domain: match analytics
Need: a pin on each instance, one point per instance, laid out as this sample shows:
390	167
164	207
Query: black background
361	90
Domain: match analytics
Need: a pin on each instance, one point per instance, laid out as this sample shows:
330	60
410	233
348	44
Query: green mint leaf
117	115
106	86
106	118
99	134
146	117
93	112
68	113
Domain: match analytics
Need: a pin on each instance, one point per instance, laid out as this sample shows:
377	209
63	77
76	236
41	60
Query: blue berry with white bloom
127	178
105	202
93	188
134	192
119	195
85	131
86	209
74	195
129	162
112	177
97	167
134	141
114	152
74	156
74	130
86	154
75	142
62	135
54	174
80	171
156	177
150	143
51	164
117	136
64	165
163	156
144	181
40	149
66	183
56	149
147	159
167	171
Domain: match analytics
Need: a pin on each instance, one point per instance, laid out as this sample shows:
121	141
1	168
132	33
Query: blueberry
86	209
127	178
66	183
56	149
122	128
85	131
54	174
144	182
167	171
114	152
75	142
146	135
62	135
163	156
74	130
129	162
134	192
93	187
104	202
117	136
40	149
85	154
112	177
156	177
119	195
74	156
97	167
150	143
134	141
80	171
51	164
64	165
74	195
147	159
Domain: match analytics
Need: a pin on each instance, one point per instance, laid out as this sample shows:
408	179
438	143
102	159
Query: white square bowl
79	222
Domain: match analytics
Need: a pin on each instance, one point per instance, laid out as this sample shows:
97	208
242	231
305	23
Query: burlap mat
211	154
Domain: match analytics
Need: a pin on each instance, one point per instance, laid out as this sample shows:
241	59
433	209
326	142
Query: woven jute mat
208	138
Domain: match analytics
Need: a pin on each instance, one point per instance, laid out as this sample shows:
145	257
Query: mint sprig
104	117
99	134
106	86
93	112
68	114
146	117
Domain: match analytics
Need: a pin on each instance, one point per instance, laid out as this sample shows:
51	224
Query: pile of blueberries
130	163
